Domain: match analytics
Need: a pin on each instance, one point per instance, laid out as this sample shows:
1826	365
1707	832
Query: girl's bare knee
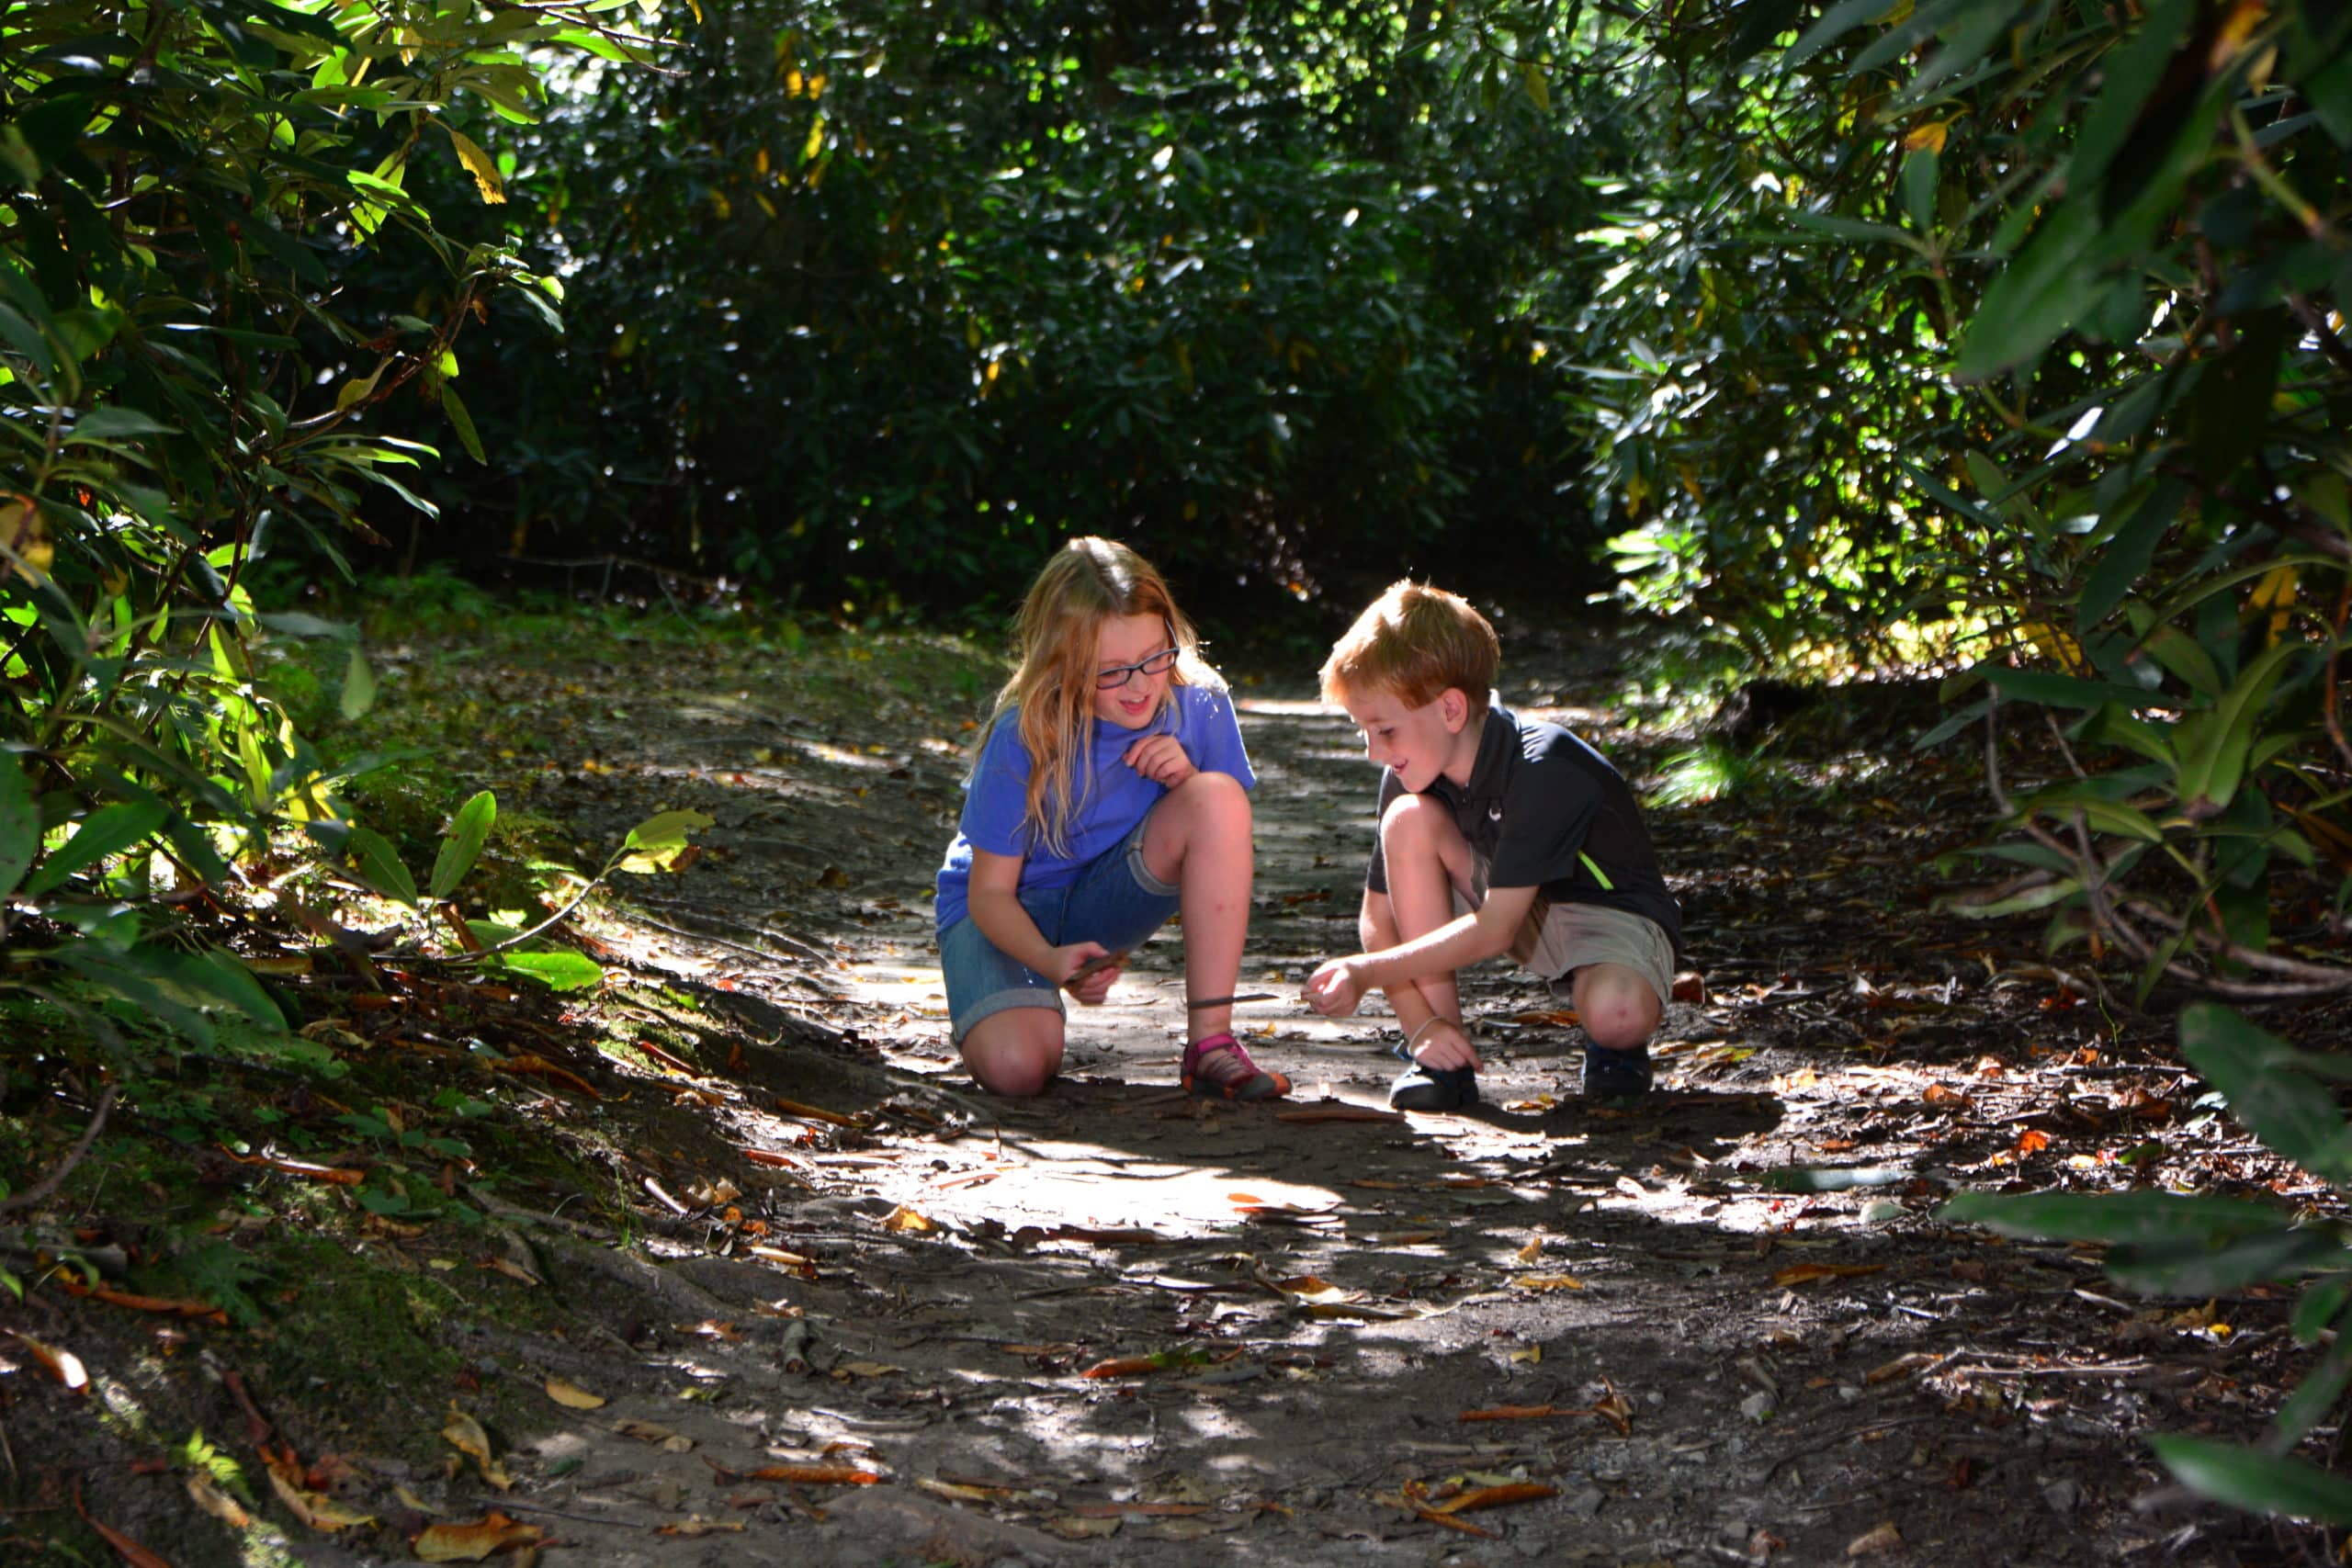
1016	1059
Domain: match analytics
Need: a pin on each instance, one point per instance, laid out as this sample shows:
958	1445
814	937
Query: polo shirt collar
1496	741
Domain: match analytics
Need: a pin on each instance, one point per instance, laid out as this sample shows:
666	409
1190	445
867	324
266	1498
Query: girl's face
1127	643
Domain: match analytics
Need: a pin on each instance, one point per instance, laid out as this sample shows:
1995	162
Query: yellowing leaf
25	533
477	165
1927	138
217	1503
471	1543
465	1435
316	1509
571	1395
1548	1282
907	1221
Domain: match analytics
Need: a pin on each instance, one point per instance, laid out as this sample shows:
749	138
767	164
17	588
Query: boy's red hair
1413	643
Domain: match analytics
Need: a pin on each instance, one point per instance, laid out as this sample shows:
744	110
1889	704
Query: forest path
1667	1359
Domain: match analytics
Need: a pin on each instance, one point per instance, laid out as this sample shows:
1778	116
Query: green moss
362	1341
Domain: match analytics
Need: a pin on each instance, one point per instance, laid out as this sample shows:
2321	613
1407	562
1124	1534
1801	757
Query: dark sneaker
1616	1074
1433	1089
1219	1068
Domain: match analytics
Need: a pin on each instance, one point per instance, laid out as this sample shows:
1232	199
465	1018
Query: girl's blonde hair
1087	581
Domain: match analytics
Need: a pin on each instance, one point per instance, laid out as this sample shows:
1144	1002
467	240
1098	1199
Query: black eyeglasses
1117	675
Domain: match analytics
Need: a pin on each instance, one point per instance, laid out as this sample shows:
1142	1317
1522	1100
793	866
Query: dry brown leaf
63	1365
464	1433
1887	1538
1548	1282
1806	1273
571	1395
698	1526
848	1369
1073	1527
904	1221
316	1509
129	1550
1496	1497
217	1503
511	1269
1901	1366
956	1492
710	1328
815	1475
471	1543
1531	1251
643	1431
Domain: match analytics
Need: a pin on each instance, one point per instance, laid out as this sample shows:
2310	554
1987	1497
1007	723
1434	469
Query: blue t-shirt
1109	796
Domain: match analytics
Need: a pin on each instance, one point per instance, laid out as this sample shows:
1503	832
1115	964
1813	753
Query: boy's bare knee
1414	820
1620	1027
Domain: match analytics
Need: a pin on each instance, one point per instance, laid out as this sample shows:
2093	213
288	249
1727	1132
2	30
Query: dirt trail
843	1266
1678	1363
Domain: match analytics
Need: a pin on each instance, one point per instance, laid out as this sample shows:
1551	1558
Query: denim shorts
1115	900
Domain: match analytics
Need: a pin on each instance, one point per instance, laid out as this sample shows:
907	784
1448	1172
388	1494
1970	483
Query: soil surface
840	1308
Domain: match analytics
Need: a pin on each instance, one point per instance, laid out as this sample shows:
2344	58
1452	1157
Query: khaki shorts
1557	940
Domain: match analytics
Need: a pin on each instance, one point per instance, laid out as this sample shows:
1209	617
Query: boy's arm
1335	989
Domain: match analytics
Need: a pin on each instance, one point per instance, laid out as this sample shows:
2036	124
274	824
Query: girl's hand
1334	988
1442	1046
1092	987
1160	759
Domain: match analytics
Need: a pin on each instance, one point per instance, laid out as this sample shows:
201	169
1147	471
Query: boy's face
1420	743
1127	641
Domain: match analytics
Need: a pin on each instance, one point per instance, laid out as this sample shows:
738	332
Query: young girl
1111	791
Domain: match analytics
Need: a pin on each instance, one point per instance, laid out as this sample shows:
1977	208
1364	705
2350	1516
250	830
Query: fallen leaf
316	1509
511	1268
1548	1282
63	1365
217	1503
698	1526
1496	1497
710	1328
1806	1273
904	1221
865	1370
817	1476
463	1432
572	1395
471	1543
644	1431
956	1492
1887	1538
1901	1367
1531	1251
1073	1528
73	1287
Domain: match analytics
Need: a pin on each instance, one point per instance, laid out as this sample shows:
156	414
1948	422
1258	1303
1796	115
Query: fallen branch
40	1190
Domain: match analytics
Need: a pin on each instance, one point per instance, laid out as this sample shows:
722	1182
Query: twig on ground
40	1190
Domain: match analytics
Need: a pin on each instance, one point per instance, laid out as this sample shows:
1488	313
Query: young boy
1497	834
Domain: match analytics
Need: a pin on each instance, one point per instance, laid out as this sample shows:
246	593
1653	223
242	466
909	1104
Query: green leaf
113	424
19	824
658	841
462	422
558	970
2127	73
1836	22
1761	21
379	866
107	831
2125	559
358	685
2137	1217
2215	746
2193	1269
1852	228
467	833
2065	691
2270	1484
2112	726
2032	898
2037	296
2321	1304
294	623
2255	1073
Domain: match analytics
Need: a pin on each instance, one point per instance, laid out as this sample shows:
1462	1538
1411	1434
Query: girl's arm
994	901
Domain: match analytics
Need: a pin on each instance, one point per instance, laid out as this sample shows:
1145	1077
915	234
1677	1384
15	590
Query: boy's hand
1334	988
1443	1046
1160	759
1085	969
